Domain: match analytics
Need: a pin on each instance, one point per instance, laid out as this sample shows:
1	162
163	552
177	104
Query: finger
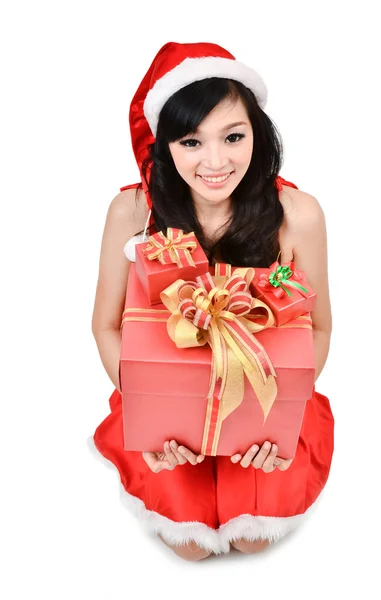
268	463
154	464
171	457
174	449
148	457
235	458
185	452
261	456
284	464
246	461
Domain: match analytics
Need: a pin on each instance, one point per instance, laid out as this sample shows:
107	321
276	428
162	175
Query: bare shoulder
125	218
301	210
303	221
304	240
129	209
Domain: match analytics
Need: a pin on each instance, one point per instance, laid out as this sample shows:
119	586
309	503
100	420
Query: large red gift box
157	273
285	290
165	388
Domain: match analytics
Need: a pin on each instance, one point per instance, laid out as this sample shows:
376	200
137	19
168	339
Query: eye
235	137
190	143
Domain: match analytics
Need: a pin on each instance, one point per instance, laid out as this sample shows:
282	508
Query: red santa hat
175	66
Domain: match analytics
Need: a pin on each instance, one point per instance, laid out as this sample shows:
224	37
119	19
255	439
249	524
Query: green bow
279	277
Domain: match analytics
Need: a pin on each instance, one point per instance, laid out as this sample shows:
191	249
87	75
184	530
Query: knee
190	551
250	547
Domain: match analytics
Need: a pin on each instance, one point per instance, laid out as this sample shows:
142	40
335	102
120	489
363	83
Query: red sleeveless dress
216	501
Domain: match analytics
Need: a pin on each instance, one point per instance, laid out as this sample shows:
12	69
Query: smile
215	182
215	179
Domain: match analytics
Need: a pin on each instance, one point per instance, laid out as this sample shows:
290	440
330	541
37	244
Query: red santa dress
216	501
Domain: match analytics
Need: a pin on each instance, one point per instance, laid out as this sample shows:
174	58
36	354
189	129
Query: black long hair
251	236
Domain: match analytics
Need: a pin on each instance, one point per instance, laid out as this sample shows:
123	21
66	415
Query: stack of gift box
216	357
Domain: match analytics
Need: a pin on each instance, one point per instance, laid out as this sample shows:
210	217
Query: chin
216	195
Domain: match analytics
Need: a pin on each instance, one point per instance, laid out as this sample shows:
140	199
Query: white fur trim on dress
252	528
175	533
245	526
195	69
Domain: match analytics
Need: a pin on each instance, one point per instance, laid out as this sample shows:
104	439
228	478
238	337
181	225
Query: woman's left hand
265	458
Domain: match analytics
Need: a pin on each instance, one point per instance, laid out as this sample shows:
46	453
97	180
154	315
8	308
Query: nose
215	157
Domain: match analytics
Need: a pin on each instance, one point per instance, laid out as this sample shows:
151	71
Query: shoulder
302	211
129	206
125	200
303	225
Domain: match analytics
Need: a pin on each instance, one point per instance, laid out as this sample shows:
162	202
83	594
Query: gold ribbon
172	247
221	312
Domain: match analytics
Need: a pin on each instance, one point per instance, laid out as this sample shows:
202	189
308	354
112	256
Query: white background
68	73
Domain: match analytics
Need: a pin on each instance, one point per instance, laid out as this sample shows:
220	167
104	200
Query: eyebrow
232	125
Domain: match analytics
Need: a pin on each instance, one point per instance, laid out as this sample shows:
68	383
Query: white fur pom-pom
129	248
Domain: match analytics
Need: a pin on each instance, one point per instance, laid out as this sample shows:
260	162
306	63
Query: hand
172	456
265	458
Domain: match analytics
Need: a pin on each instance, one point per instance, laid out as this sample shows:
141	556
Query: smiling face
214	160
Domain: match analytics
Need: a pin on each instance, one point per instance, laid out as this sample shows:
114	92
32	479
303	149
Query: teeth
216	179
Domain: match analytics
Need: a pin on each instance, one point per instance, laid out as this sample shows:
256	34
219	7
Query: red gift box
165	388
285	290
163	259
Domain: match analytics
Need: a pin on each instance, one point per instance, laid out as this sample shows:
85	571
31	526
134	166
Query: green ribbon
279	277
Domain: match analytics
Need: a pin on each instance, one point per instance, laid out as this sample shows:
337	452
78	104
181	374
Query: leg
190	551
250	547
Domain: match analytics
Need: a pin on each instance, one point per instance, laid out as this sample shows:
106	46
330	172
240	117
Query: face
214	160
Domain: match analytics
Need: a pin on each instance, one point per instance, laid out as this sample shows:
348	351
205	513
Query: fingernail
276	462
173	444
235	458
181	449
266	445
254	448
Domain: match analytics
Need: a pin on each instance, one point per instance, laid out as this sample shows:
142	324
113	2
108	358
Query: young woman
209	158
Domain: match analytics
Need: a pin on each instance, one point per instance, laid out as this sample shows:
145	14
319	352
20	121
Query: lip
217	184
214	174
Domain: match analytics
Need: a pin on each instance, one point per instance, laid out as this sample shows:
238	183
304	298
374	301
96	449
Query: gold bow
172	247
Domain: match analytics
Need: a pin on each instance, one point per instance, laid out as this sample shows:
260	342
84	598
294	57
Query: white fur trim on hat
195	69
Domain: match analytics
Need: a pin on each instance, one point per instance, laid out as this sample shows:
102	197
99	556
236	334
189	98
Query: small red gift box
163	259
165	388
285	290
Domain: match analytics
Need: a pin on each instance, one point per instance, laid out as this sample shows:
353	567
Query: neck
211	213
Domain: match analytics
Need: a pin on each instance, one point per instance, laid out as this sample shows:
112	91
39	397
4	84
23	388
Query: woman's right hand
172	456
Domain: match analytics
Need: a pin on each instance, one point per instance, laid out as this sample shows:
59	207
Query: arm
109	342
123	220
310	255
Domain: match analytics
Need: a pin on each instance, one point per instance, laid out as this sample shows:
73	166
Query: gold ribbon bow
172	248
220	311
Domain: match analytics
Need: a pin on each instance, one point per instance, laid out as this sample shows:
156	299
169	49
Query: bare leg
250	547
190	551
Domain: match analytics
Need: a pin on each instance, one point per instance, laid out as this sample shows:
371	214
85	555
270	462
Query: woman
209	159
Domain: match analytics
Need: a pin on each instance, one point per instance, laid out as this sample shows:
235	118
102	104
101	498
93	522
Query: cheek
184	162
245	152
